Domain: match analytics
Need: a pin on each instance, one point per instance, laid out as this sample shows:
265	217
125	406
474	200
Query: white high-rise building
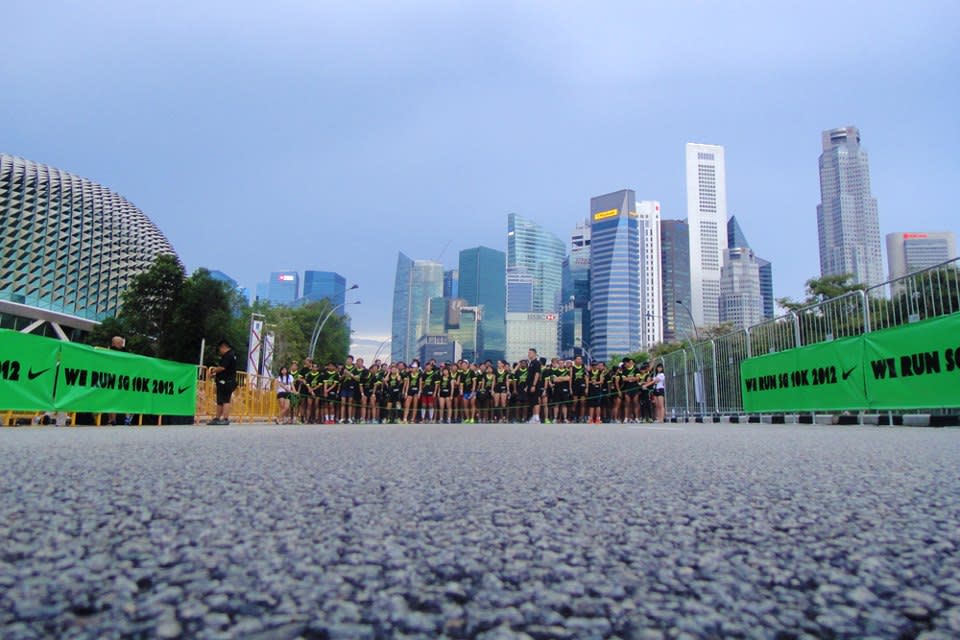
651	282
531	331
707	220
740	299
912	251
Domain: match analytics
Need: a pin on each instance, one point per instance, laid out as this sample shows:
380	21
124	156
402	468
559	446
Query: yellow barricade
254	399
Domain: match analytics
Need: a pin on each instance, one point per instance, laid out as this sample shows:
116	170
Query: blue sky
328	135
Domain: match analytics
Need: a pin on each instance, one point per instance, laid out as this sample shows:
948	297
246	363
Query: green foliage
205	312
663	348
168	315
102	333
638	357
821	289
294	326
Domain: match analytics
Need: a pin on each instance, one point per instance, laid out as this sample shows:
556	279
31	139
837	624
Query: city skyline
217	122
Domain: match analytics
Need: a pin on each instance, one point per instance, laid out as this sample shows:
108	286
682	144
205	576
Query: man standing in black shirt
534	385
226	381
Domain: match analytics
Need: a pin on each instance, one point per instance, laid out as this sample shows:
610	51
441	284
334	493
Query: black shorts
500	388
579	392
594	401
659	392
224	391
632	392
394	396
283	395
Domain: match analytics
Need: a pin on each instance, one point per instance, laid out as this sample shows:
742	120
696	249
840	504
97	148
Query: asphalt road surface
554	531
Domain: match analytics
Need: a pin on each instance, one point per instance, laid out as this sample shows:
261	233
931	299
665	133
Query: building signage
603	215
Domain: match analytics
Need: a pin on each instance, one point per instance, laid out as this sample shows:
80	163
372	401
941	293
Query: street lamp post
380	348
586	350
698	365
318	328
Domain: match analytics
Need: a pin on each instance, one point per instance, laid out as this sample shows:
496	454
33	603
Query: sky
331	135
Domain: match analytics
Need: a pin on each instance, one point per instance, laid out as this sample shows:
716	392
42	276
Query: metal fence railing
703	378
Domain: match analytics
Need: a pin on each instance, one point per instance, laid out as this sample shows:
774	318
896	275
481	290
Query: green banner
104	381
28	367
915	365
820	377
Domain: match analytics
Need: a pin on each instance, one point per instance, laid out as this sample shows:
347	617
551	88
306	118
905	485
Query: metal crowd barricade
731	349
704	378
925	294
774	336
254	399
841	317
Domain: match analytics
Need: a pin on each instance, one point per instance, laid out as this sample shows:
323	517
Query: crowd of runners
531	390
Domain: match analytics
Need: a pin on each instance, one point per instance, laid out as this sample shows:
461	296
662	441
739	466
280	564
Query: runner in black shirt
534	384
226	379
501	387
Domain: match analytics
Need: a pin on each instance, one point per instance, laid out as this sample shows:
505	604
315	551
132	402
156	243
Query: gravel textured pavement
574	531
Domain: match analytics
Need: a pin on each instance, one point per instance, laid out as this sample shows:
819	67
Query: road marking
645	427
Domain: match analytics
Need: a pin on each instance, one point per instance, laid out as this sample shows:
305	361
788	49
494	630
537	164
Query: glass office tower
540	253
483	283
415	283
614	275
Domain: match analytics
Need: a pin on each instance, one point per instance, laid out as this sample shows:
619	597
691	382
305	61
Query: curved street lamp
318	328
585	347
380	348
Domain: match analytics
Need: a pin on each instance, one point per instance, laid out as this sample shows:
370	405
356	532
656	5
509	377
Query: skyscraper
575	293
519	290
283	287
483	281
540	253
451	283
651	282
707	217
614	275
847	221
913	251
740	299
415	283
319	285
736	238
675	262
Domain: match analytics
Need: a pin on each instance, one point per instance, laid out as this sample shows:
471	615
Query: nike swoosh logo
846	374
182	389
33	375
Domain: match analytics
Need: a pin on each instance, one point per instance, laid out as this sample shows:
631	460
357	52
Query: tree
102	333
205	312
294	327
149	304
638	357
820	321
822	289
